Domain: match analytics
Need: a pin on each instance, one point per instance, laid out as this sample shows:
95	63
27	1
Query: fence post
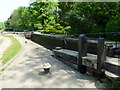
82	51
101	53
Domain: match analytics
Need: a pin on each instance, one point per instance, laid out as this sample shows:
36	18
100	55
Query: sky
8	6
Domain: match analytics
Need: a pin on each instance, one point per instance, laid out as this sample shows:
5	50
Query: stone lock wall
52	41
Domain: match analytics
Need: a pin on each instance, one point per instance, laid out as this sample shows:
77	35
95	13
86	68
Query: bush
38	26
57	29
67	29
53	31
54	27
2	30
113	26
50	28
58	26
46	31
60	32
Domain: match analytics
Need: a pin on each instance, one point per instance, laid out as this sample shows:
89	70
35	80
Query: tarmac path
26	71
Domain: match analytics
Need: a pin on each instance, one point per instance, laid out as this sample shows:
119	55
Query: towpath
26	71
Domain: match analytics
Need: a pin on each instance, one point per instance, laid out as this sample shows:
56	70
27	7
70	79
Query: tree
37	16
43	13
20	19
2	26
92	16
64	7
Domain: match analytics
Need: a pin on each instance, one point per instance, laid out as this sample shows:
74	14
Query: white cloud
8	6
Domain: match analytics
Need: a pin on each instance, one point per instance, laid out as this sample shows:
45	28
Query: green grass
12	50
1	40
113	85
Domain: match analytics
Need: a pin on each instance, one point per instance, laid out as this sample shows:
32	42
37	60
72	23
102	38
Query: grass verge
1	40
12	50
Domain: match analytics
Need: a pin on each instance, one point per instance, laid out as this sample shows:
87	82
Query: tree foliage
36	16
93	17
2	25
74	17
43	13
64	7
19	19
